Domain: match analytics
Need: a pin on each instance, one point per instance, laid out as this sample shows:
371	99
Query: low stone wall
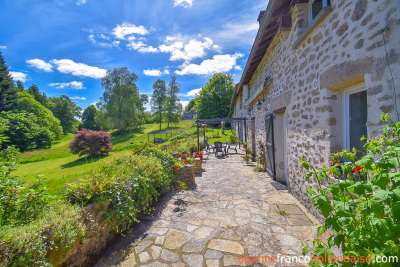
89	252
187	174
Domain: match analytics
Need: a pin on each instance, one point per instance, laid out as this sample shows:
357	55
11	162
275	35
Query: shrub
129	185
25	131
360	199
180	136
48	239
19	203
233	137
91	143
167	161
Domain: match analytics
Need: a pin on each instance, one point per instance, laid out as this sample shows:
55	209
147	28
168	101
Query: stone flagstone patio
233	211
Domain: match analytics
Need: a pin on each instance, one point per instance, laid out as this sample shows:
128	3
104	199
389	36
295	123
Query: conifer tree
8	92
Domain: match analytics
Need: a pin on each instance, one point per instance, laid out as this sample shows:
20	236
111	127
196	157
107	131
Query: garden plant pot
179	188
244	146
176	168
184	155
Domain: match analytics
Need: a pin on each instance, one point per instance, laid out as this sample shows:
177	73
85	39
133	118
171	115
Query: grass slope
57	165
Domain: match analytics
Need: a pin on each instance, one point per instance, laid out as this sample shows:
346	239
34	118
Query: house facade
189	115
318	77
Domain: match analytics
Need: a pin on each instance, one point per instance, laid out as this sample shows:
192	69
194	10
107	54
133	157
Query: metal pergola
216	121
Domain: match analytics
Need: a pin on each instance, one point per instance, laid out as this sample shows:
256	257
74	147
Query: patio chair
218	148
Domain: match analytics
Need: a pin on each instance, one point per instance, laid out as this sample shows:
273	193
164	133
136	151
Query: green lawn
57	165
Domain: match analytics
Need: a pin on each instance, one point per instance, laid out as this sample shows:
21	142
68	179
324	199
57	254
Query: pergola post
245	131
198	137
204	133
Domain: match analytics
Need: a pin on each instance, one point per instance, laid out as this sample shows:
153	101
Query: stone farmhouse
190	115
319	75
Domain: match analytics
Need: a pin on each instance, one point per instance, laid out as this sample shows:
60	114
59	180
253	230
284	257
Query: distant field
57	165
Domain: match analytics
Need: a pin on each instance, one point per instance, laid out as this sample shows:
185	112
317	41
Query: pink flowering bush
91	143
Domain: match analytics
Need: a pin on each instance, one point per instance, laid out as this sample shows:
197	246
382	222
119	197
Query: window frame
346	112
325	3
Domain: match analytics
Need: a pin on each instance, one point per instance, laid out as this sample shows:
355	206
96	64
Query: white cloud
193	92
80	2
18	76
78	98
127	29
40	64
155	72
237	67
78	69
184	3
103	44
184	103
3	47
70	85
219	63
187	50
242	32
142	47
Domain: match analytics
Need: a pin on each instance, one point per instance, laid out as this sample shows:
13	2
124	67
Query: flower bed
99	206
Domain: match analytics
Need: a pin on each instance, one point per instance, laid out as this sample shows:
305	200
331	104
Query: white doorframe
346	111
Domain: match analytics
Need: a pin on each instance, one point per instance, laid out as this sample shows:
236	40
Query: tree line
32	120
214	99
165	102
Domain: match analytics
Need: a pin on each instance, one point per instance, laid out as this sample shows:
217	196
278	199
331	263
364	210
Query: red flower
185	161
357	169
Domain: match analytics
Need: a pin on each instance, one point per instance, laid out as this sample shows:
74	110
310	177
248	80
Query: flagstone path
232	212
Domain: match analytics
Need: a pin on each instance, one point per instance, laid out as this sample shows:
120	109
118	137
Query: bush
180	136
25	131
19	204
48	239
360	199
129	185
166	160
91	143
45	118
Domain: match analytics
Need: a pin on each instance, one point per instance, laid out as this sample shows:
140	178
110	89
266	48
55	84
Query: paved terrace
233	211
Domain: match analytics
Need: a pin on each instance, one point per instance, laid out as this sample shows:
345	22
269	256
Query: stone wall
312	68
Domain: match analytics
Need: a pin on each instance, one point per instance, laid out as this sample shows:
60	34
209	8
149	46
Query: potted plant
184	154
245	145
181	186
176	168
248	150
246	158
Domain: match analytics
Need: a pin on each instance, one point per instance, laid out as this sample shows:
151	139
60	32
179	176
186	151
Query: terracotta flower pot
176	168
179	188
184	155
244	146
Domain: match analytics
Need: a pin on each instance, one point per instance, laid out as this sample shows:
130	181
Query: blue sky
66	46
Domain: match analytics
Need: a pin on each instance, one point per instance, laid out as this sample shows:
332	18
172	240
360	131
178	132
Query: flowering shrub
130	185
363	207
91	143
198	155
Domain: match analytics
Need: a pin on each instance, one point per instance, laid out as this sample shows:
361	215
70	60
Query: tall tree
66	111
8	92
215	97
89	117
191	104
121	98
173	107
39	97
158	98
44	117
20	86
